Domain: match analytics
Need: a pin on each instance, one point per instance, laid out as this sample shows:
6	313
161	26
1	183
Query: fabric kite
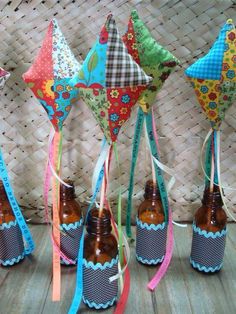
157	62
29	245
213	78
110	83
49	78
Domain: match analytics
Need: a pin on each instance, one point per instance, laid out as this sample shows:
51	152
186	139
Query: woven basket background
187	28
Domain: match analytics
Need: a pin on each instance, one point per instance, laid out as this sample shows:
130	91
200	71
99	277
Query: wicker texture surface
187	28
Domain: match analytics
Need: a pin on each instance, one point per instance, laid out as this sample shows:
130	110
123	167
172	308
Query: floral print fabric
155	60
110	81
217	95
50	74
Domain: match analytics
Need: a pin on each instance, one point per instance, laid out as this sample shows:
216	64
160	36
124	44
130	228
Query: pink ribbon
170	236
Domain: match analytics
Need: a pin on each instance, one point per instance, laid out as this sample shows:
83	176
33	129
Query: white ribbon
202	166
127	250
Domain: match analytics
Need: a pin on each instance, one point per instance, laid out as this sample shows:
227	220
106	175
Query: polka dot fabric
216	93
50	74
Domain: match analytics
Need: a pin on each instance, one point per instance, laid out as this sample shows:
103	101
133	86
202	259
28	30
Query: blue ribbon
208	161
79	275
159	175
136	143
29	242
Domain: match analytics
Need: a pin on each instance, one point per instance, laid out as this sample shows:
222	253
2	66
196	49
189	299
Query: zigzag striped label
151	243
207	251
11	244
99	292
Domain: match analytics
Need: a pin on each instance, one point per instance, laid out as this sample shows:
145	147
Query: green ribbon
119	211
136	143
158	171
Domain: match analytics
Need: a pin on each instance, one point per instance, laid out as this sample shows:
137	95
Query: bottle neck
212	199
151	191
99	224
67	193
3	194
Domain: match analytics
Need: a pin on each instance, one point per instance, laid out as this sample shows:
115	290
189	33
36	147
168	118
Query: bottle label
70	238
99	292
150	242
207	249
11	244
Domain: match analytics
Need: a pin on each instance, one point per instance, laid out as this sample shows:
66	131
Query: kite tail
57	152
136	143
29	242
157	168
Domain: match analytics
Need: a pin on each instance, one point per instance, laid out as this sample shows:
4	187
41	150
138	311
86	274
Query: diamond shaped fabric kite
213	76
157	62
4	75
110	81
50	74
154	59
49	78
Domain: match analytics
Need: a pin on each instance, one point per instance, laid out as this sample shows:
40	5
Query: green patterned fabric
155	60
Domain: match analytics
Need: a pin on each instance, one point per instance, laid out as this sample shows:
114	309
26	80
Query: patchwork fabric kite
49	78
157	62
213	78
19	249
110	83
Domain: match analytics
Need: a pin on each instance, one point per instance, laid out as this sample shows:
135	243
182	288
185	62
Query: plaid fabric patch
121	69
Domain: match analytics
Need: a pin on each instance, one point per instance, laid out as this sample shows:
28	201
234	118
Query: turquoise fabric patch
65	95
209	67
92	71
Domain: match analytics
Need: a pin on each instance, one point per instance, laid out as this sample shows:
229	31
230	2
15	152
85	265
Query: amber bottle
211	216
151	227
70	210
209	233
150	210
11	241
71	223
100	261
6	213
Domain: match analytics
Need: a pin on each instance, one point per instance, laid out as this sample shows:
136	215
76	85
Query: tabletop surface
26	287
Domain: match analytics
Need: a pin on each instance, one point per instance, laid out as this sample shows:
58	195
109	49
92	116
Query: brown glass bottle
150	210
211	217
100	245
6	213
70	210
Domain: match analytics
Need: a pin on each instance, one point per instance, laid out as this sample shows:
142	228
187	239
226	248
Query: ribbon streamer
153	141
136	144
29	242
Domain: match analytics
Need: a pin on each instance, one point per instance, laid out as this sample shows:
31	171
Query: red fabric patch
129	40
122	100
